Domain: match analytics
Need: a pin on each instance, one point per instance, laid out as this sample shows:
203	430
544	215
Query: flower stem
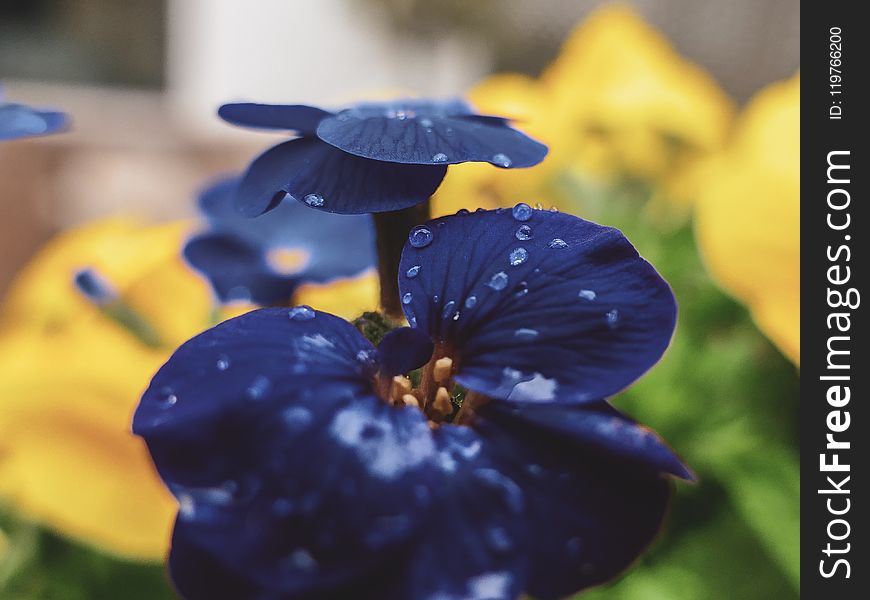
391	229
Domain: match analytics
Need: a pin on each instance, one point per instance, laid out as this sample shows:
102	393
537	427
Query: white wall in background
315	51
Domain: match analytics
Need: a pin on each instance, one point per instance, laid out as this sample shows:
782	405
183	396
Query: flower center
433	390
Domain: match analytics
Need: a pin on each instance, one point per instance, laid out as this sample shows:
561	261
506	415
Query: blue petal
290	117
234	254
429	134
328	179
591	513
596	426
19	121
237	269
404	349
287	468
541	307
474	542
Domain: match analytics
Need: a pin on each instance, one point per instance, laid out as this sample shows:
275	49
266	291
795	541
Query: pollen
443	368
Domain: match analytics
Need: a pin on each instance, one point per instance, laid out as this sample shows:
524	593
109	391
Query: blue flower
266	258
20	121
305	467
373	157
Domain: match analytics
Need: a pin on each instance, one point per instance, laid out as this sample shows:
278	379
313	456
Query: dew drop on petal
258	388
612	318
498	281
413	272
301	313
463	211
522	212
406	299
518	256
558	243
420	237
439	157
502	160
539	206
554	209
524	333
587	294
447	311
470	301
521	290
167	397
524	232
313	200
223	362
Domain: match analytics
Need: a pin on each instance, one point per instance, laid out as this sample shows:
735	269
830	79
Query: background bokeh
662	121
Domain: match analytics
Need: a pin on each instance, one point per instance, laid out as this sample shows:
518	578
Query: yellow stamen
442	369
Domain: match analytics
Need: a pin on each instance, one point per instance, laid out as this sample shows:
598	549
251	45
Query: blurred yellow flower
630	105
70	378
748	214
618	103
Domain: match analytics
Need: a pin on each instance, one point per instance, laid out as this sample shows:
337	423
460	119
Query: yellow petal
748	214
347	298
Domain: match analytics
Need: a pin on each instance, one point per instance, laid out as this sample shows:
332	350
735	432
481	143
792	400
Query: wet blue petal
590	515
235	253
570	313
291	117
429	133
325	178
20	121
404	349
596	426
286	466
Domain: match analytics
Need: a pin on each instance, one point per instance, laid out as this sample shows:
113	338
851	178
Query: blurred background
664	118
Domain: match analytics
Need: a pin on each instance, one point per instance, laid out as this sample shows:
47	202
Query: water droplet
439	157
301	313
223	362
258	388
558	243
587	294
554	209
470	301
521	290
499	540
406	299
456	316
413	272
313	200
498	281
612	318
524	333
539	206
167	397
518	256
427	123
463	211
436	298
420	237
522	212
302	560
524	232
447	311
502	160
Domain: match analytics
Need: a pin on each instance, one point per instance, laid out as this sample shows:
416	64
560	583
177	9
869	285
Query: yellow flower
70	379
617	103
748	214
634	105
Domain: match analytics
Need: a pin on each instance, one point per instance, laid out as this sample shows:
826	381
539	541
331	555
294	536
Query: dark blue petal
429	136
19	121
328	179
589	513
287	467
235	254
291	117
474	543
404	349
237	269
541	307
596	426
